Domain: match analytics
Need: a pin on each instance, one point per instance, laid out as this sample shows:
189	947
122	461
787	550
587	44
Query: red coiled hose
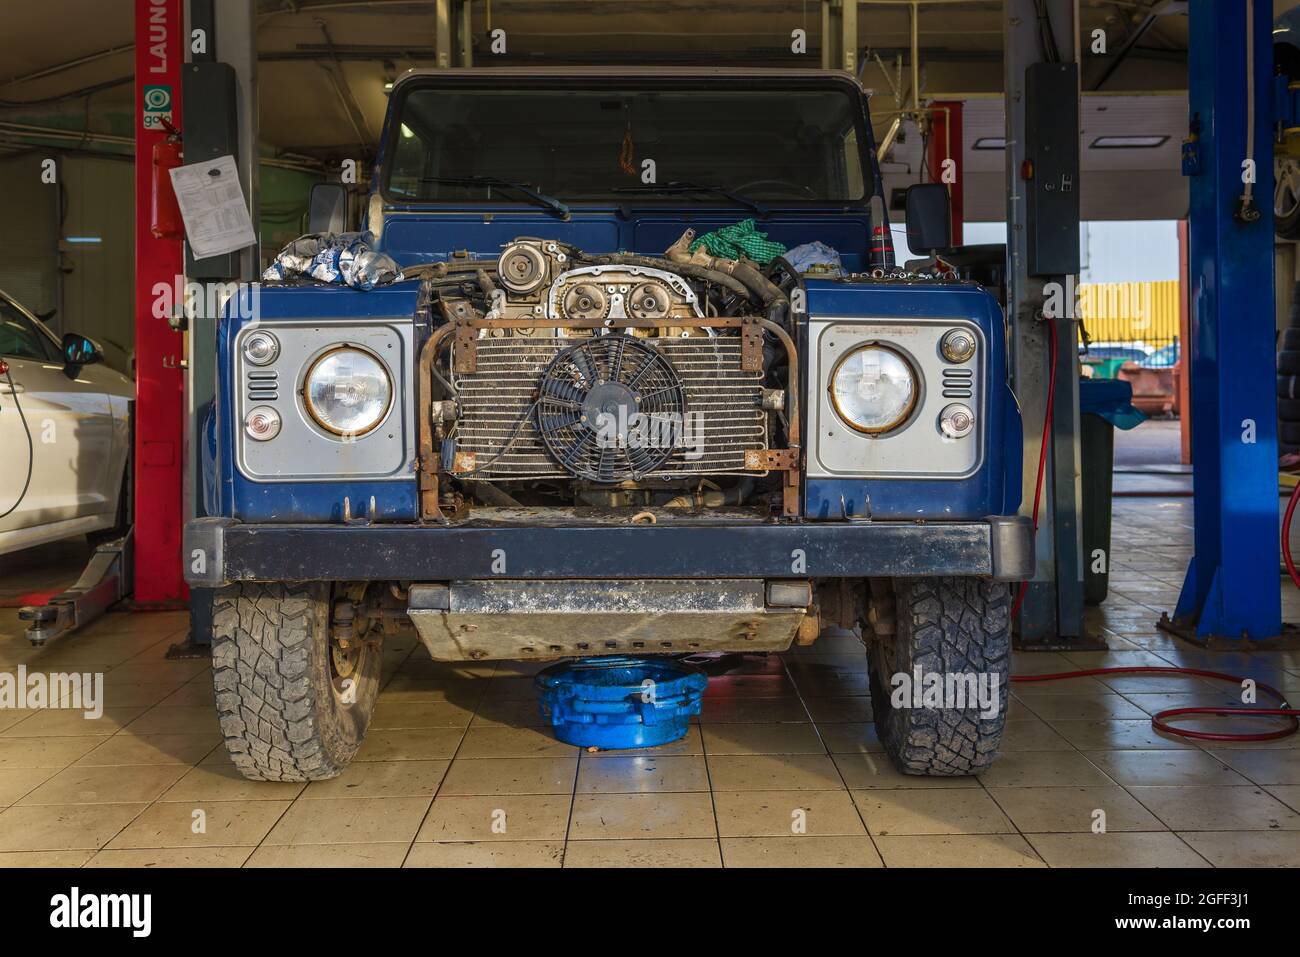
1160	720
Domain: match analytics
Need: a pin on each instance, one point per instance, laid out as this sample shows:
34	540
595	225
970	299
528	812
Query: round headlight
957	345
261	348
873	389
348	391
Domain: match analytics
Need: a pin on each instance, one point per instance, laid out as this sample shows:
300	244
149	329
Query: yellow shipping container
1130	311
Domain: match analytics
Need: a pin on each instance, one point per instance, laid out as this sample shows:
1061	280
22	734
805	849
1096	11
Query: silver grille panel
500	391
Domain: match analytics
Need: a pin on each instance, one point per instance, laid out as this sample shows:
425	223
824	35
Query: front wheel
294	689
940	663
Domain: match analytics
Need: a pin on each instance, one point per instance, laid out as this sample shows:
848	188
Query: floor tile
1083	707
762	738
786	813
114	785
643	774
1115	849
130	749
162	857
643	853
13	859
877	771
423	744
350	821
63	827
959	850
693	743
487	854
381	779
1264	766
1112	735
329	855
620	816
393	716
806	851
220	824
931	811
774	772
16	782
1217	808
513	743
511	776
1164	767
223	782
752	710
1246	848
851	737
515	817
1072	809
1023	769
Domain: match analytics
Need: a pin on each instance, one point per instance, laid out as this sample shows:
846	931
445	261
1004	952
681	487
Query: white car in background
73	414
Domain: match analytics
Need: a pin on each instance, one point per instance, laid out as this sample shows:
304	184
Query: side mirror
327	211
80	351
929	217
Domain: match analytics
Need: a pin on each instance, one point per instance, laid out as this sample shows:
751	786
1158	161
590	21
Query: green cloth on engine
731	242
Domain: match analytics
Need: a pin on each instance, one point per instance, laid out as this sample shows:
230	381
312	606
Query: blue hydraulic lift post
1232	589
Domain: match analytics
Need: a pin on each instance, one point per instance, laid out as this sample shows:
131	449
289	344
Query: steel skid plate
486	620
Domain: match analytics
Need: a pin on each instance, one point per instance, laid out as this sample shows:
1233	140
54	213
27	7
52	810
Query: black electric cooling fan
588	397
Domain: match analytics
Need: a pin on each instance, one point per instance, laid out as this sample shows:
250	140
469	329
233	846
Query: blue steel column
1232	587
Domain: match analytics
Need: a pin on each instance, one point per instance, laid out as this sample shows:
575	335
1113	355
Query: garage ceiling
375	40
961	43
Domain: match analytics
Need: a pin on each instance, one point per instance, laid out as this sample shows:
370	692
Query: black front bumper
219	551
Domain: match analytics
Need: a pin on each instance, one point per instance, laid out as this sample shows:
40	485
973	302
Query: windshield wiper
541	199
682	186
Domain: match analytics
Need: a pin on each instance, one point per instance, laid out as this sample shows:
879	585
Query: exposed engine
558	377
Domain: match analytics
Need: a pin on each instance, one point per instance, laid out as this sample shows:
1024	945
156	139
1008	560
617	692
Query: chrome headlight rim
313	414
250	341
903	417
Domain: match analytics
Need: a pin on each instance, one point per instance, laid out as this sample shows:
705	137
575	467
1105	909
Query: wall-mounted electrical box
1051	169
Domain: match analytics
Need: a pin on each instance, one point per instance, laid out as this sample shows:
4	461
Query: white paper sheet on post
212	205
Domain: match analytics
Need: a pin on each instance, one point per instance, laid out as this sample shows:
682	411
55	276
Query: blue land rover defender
604	412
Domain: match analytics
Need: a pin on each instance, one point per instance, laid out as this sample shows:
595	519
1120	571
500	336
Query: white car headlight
873	389
348	391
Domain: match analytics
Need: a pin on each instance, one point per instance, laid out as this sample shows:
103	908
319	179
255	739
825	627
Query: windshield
777	145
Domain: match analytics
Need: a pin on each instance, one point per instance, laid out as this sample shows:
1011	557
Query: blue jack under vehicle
583	424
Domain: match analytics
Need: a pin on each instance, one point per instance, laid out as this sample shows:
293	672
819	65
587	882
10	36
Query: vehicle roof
629	72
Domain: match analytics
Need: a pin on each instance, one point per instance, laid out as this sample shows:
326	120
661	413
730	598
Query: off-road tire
945	626
280	709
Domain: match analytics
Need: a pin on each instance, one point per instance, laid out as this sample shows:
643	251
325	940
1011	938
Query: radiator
498	394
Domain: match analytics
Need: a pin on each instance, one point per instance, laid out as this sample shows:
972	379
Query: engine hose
1042	448
1160	720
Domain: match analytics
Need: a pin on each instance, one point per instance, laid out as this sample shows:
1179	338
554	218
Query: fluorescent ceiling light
1129	142
990	143
407	131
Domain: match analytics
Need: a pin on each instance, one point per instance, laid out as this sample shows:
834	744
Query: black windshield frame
619	85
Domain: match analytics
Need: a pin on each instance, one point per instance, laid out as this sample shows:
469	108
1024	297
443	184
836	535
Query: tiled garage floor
457	769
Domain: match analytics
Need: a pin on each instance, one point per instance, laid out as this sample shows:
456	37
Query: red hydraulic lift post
946	143
159	401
